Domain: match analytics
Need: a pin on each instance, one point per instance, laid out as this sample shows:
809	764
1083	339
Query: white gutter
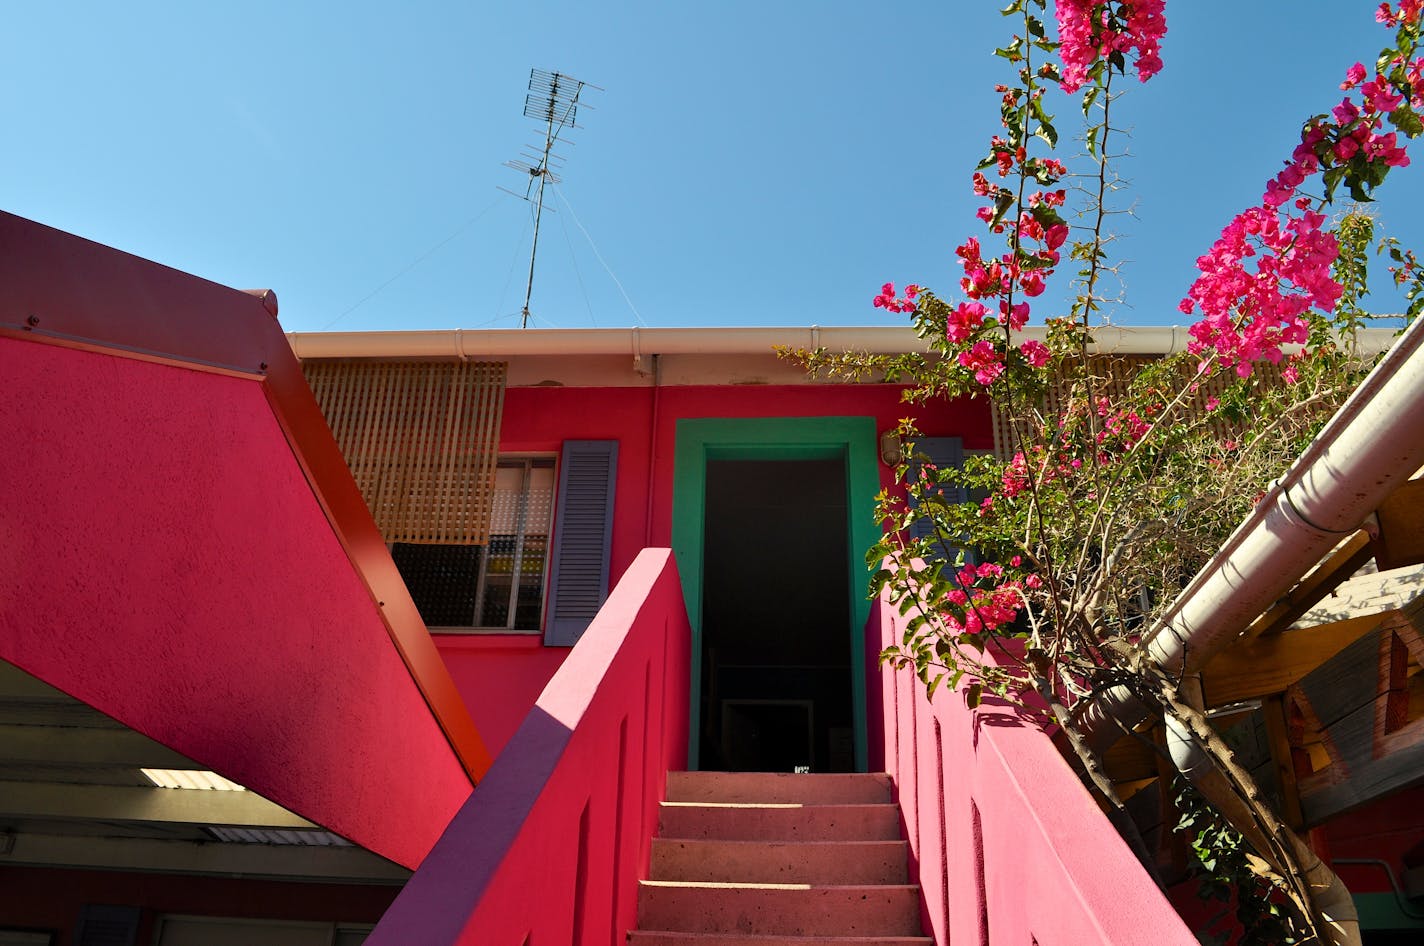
887	339
1372	445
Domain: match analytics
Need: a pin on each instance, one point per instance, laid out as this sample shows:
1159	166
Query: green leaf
1406	120
1090	97
974	695
1002	205
1333	177
1012	52
1035	27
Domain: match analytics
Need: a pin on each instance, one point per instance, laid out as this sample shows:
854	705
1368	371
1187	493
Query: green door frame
777	438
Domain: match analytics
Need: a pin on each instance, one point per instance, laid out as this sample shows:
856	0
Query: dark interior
776	658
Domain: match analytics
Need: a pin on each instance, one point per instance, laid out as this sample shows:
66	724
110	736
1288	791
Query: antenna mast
553	102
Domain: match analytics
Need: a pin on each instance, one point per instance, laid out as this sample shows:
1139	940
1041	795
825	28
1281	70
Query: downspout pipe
1373	444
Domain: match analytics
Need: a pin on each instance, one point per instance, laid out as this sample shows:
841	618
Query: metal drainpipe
652	453
1372	445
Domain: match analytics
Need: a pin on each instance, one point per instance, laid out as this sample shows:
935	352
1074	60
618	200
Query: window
499	586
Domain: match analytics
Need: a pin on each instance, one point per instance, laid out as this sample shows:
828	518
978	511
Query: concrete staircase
769	859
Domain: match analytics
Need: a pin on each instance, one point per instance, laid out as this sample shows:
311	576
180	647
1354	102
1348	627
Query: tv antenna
553	102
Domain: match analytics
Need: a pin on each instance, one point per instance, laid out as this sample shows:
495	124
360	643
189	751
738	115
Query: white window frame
527	460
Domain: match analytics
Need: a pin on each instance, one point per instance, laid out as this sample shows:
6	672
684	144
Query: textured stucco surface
163	558
553	841
1000	828
500	676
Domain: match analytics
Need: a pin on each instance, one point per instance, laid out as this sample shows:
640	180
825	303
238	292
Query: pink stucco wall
550	846
542	418
500	675
163	558
1007	844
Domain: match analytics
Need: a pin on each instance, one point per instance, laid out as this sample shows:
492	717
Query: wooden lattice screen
421	440
1116	373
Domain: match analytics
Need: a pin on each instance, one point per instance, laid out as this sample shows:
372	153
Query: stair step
780	909
672	938
798	862
767	787
779	822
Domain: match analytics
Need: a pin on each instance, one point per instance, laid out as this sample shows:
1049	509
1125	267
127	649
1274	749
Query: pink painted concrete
820	911
551	844
834	863
768	788
164	559
500	676
542	418
1005	841
773	823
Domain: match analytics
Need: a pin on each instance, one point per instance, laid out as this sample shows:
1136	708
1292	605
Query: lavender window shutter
943	452
583	533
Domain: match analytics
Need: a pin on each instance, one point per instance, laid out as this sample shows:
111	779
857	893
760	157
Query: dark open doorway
776	666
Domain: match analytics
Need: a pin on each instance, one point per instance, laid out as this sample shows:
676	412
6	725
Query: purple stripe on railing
551	845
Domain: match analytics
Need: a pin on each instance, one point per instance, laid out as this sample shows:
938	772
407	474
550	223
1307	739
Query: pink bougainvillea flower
1380	95
1084	37
1016	315
1035	352
1345	112
887	300
1353	76
984	361
964	320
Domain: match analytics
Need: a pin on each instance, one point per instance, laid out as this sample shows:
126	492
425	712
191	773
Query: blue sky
747	163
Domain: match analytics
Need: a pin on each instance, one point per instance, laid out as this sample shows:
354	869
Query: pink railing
1008	845
549	848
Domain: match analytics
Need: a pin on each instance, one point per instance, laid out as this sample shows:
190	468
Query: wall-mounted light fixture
890	447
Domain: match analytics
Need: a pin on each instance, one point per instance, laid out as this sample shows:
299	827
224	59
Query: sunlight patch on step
719	885
728	804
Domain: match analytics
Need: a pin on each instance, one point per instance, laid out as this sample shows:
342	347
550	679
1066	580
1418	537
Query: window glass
498	586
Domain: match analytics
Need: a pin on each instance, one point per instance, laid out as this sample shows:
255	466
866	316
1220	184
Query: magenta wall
1007	845
499	675
550	846
541	419
163	558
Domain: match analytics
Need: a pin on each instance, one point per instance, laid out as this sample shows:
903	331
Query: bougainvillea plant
1114	483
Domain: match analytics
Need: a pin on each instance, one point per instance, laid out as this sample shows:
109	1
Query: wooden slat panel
1115	374
1271	664
420	439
